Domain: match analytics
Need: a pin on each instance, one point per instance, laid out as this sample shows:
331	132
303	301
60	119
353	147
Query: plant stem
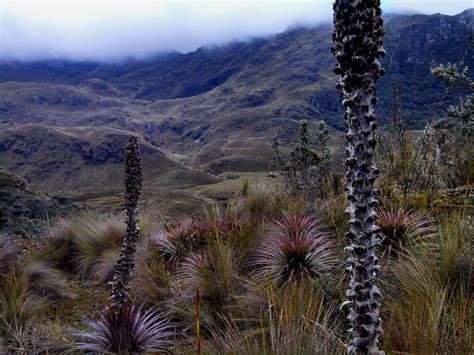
358	31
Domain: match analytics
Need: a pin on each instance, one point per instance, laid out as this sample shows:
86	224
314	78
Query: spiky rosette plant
177	241
400	228
358	32
230	227
133	185
127	330
297	248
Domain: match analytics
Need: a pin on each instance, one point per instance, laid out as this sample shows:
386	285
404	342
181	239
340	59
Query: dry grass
287	303
429	302
83	244
26	291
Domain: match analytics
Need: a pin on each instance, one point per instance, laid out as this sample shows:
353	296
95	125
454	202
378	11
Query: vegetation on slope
255	296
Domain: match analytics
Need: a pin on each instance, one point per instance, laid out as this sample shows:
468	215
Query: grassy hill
27	211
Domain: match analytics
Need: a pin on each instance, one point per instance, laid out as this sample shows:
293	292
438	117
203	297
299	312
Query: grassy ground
253	298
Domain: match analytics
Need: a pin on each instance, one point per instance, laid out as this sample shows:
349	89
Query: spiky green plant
133	185
358	32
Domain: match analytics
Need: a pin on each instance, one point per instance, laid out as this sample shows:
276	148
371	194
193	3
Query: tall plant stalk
358	32
133	185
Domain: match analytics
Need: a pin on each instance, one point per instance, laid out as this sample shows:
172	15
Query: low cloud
113	30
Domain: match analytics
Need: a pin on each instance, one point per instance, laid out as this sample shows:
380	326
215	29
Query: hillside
214	109
25	210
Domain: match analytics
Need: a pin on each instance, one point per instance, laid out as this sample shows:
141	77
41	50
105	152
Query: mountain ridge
218	107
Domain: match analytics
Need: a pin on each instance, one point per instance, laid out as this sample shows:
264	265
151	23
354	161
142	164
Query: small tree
323	137
459	119
303	160
403	161
305	171
358	32
454	132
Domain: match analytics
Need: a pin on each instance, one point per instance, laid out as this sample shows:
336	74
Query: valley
204	114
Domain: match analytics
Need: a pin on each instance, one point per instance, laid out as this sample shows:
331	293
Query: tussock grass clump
230	227
216	275
80	244
267	202
18	305
293	319
105	264
45	281
9	257
429	304
456	250
26	290
296	248
242	234
177	241
153	279
333	214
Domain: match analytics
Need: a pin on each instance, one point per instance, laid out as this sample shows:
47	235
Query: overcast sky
112	30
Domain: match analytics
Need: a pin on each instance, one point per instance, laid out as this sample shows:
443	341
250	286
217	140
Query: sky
111	30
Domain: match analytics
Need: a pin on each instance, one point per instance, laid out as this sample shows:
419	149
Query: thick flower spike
358	32
133	185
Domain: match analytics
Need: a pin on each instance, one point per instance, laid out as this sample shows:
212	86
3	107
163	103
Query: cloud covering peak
108	30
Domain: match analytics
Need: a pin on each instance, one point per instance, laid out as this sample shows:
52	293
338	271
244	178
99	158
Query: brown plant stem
198	321
133	185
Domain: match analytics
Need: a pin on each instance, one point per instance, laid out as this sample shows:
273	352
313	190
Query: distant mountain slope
86	159
216	108
26	211
290	61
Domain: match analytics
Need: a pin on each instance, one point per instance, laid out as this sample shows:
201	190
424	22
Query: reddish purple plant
297	248
230	227
127	329
188	236
400	227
